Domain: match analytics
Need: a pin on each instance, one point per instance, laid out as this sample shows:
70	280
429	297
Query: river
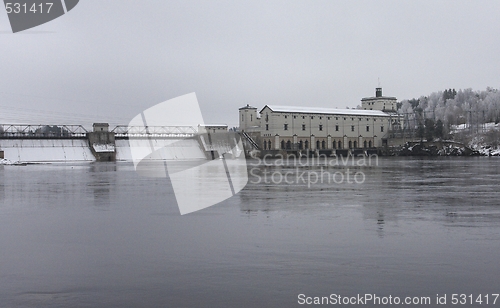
100	235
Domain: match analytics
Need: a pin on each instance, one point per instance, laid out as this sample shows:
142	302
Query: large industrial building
290	128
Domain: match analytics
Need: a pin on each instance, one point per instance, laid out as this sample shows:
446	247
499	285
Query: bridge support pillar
102	142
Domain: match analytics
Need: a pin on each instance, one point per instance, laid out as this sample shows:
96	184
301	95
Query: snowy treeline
472	108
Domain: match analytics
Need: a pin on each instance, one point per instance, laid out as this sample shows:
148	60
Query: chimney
378	92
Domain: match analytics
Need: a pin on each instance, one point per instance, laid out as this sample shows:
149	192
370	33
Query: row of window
353	127
319	145
328	118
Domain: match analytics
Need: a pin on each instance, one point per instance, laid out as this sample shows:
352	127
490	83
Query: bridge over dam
64	143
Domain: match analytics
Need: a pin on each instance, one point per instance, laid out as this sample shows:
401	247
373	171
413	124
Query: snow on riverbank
484	148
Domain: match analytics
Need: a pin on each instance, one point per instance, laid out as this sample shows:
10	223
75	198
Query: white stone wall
306	127
248	119
383	104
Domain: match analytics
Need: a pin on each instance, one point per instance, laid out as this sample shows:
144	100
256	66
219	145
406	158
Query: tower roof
248	107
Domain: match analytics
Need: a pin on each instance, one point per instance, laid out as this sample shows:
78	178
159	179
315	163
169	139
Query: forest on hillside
451	114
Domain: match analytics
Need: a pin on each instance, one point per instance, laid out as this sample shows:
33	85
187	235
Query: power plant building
292	128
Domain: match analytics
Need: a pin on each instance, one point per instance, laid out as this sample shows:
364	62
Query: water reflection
394	188
102	182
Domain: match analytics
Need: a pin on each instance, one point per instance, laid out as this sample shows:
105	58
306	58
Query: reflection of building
310	128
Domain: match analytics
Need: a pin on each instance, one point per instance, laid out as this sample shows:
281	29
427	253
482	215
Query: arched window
350	144
334	144
340	144
370	144
364	144
282	144
306	145
288	145
269	145
300	145
265	144
355	145
323	144
317	145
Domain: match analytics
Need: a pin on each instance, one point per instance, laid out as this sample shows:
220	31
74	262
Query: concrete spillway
62	150
172	149
46	150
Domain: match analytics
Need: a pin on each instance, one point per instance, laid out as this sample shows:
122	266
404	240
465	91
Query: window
323	144
306	145
345	119
288	145
352	119
352	128
285	127
337	118
303	127
294	117
328	118
336	128
300	145
382	129
317	145
251	117
320	118
320	127
312	117
267	117
282	144
286	117
267	126
367	129
334	145
242	118
303	117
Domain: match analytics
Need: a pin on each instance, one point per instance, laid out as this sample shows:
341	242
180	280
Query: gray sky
109	60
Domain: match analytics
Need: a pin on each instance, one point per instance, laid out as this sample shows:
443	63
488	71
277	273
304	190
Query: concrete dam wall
73	143
65	150
46	150
172	149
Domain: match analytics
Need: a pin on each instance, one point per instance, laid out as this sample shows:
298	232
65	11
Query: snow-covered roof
317	110
205	125
392	98
248	107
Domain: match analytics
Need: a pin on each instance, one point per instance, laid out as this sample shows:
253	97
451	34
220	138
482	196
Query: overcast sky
109	60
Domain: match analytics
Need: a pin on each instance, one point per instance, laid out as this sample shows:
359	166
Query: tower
248	117
379	102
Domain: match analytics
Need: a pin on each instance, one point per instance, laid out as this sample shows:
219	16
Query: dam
74	143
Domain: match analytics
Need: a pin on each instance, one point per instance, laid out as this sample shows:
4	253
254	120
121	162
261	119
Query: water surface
99	235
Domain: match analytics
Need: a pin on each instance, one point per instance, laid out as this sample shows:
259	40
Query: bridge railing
155	131
42	131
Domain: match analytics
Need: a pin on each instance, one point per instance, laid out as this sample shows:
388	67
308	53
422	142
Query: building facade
292	128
